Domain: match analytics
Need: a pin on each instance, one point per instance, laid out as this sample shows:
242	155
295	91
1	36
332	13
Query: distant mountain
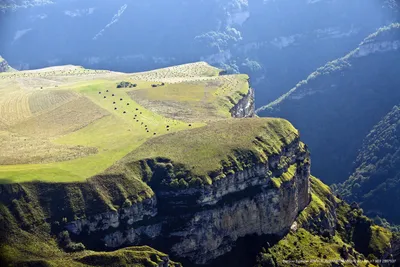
275	42
15	4
338	105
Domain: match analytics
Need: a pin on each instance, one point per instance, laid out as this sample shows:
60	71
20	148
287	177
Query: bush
183	184
127	204
66	243
195	182
75	247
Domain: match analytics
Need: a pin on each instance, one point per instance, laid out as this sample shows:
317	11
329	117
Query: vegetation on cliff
211	152
328	231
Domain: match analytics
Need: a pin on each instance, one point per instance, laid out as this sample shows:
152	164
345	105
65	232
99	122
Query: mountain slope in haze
253	37
337	105
375	181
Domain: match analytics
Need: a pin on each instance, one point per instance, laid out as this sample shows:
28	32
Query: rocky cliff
194	190
200	224
253	194
329	231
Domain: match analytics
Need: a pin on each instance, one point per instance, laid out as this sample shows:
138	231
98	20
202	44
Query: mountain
254	37
169	160
375	181
337	105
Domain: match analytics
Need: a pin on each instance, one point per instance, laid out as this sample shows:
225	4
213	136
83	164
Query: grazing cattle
107	91
114	103
124	112
127	104
115	108
190	125
113	95
137	109
105	97
120	99
99	92
154	133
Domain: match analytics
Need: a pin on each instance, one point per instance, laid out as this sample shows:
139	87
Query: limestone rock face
202	224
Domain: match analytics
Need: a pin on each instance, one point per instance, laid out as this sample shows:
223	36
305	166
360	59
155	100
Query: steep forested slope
337	105
375	182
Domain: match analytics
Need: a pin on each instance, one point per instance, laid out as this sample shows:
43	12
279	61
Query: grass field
66	124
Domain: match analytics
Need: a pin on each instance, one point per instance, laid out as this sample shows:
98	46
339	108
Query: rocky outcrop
4	67
245	107
103	221
204	223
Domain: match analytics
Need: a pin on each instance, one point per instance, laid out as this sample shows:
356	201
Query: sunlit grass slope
66	124
208	152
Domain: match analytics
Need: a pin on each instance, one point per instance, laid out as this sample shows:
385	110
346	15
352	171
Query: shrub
127	204
75	247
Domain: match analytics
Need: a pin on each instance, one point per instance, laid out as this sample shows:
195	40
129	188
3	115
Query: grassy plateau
67	124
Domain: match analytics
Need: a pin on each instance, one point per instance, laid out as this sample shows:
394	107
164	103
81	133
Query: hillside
95	165
338	104
375	181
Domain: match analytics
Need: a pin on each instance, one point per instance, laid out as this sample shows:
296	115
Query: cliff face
245	107
202	224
